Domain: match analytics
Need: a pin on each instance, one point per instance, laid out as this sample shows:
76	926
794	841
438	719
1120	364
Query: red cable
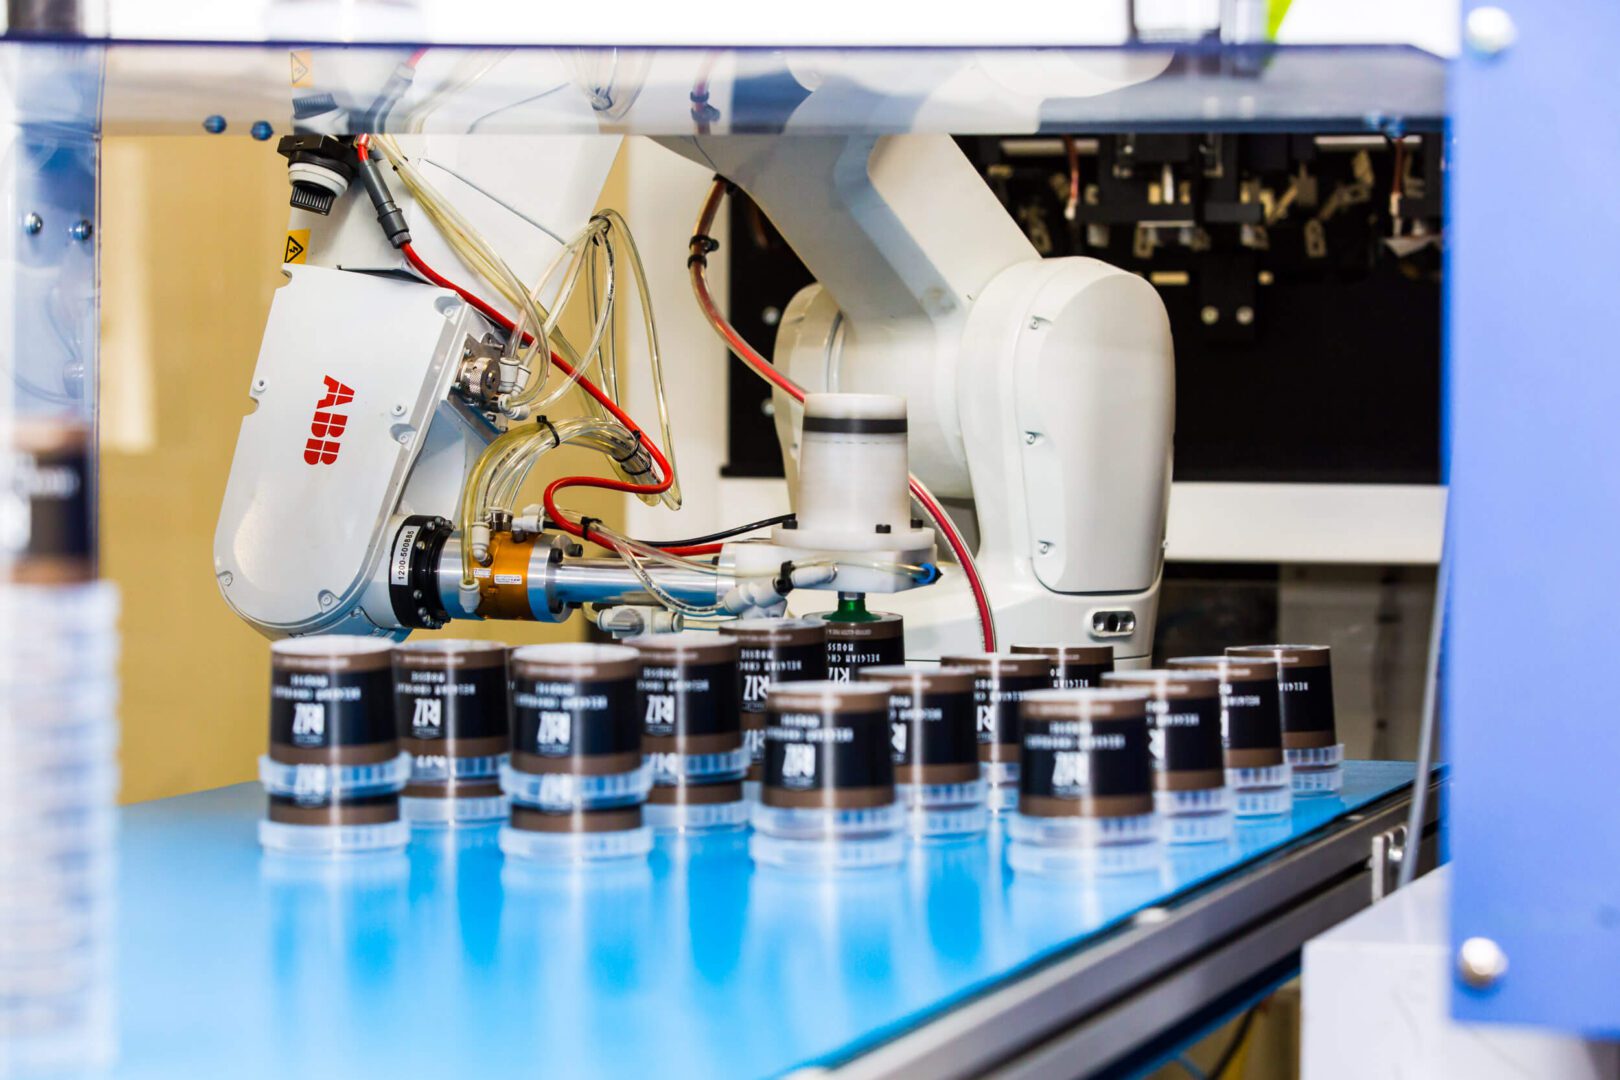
767	371
549	498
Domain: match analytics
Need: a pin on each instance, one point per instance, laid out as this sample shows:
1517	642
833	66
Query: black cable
1232	1048
724	534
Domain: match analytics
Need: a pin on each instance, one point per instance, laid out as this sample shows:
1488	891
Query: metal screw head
81	230
1489	30
1244	315
1031	438
32	223
261	130
259	385
327	599
1210	314
1481	962
1044	547
398	409
225	578
214	124
771	316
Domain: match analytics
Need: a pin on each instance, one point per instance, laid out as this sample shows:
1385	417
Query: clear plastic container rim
281	778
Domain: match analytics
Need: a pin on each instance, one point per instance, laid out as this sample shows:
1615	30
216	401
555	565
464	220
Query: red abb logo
327	426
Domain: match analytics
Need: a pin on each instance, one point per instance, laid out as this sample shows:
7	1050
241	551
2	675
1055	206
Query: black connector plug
389	215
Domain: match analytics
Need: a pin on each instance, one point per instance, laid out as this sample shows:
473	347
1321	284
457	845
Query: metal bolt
1481	962
1210	314
32	223
1245	315
214	124
768	407
80	230
771	316
1489	30
261	130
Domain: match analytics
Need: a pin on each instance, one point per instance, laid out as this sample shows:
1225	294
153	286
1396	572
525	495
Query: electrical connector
389	215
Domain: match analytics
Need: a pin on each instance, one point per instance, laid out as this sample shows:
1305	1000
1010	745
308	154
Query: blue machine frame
1533	396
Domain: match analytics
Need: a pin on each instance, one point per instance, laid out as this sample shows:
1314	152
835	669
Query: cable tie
555	436
634	450
702	245
784	579
585	524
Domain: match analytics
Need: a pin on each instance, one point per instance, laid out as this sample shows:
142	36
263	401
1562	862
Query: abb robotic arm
1034	397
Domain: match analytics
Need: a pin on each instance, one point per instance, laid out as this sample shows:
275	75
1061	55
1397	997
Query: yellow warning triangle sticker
297	246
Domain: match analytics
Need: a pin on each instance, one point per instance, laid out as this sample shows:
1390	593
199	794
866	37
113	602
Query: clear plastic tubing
935	746
827	800
1310	739
1000	682
1251	730
1074	666
575	778
1189	775
450	704
688	696
334	770
1085	800
772	650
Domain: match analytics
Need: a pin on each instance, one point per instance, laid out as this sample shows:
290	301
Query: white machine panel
350	374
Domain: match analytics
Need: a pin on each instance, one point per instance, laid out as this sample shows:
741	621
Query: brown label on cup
324	810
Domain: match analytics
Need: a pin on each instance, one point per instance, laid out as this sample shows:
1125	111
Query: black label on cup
762	665
1250	716
806	751
695	699
995	705
51	475
847	655
932	729
1307	697
1073	759
575	718
316	709
1071	676
453	703
1186	734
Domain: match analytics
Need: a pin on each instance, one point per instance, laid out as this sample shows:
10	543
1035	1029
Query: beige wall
192	231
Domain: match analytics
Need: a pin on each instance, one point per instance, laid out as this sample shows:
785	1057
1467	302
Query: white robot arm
1034	397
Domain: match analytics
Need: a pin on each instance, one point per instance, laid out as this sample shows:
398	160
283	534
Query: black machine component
413	564
319	167
1301	274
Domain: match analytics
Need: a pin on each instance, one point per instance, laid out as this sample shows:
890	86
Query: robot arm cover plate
349	376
